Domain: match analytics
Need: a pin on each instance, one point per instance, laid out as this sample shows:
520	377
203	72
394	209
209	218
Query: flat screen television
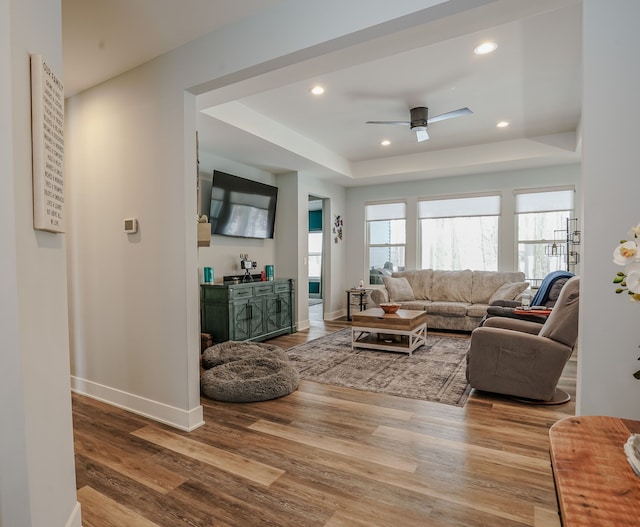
241	207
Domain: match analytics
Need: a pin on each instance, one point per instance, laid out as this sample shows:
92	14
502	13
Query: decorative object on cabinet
270	272
247	264
248	311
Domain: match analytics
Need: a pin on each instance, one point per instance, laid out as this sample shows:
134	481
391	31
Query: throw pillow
399	289
509	291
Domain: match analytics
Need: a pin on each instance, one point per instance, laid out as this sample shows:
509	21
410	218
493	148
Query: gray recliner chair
546	296
525	359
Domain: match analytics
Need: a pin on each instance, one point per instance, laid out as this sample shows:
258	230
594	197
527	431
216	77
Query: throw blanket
542	295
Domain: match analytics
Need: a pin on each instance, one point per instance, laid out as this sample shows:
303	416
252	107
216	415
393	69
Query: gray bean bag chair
235	350
249	380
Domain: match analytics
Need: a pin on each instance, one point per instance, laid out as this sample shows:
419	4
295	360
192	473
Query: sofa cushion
449	309
419	305
509	291
451	286
420	282
398	288
477	310
485	283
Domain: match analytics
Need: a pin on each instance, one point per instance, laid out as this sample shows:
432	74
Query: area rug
435	372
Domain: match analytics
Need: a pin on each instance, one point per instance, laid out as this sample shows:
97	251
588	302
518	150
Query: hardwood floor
323	456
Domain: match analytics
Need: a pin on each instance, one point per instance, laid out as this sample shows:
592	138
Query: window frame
369	245
452	197
535	282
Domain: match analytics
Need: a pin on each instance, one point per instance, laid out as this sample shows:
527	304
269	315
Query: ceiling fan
420	119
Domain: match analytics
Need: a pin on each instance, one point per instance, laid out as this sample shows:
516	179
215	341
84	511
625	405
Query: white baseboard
186	420
334	315
75	520
300	326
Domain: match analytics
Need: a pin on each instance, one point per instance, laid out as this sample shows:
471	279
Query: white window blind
459	207
386	211
545	201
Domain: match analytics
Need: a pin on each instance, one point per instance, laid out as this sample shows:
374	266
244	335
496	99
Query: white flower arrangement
627	254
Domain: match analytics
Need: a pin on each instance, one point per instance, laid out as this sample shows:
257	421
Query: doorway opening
315	256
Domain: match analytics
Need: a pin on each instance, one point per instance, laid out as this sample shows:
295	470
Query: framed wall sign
47	129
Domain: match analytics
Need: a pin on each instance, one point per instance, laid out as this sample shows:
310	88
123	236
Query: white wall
503	182
609	335
134	297
224	252
292	241
290	237
130	153
37	478
334	253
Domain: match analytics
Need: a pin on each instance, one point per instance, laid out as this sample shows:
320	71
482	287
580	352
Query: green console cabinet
248	310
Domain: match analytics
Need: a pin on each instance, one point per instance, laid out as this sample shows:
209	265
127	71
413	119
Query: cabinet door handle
279	305
250	311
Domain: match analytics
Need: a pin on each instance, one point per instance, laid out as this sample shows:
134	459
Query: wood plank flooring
323	456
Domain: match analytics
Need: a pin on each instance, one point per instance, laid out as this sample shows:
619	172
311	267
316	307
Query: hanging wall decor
47	130
337	228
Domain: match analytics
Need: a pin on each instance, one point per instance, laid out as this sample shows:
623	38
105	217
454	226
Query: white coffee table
370	329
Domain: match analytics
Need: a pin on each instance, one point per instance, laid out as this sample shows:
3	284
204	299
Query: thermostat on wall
130	225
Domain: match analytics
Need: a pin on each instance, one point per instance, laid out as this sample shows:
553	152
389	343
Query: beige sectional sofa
455	300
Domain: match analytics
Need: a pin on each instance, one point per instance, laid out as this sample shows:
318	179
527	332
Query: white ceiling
533	80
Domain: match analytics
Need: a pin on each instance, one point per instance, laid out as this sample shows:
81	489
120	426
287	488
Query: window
459	233
315	254
541	219
386	239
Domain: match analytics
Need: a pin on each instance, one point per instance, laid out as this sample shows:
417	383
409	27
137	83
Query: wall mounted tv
241	207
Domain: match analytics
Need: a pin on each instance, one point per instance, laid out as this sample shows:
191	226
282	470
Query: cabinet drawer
240	292
263	289
282	287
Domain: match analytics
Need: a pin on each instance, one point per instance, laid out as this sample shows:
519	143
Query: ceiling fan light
421	133
485	47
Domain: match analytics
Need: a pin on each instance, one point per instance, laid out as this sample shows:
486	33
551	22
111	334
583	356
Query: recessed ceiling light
317	90
502	124
386	142
485	47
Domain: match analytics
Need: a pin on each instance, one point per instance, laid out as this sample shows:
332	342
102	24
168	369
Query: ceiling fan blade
403	123
449	115
421	133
